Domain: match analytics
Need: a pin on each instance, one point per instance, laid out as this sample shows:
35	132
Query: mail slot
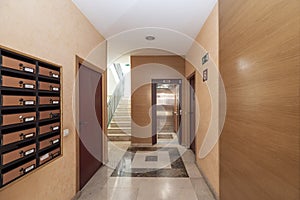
8	81
49	128
19	171
49	86
18	64
19	118
49	114
18	100
19	153
50	155
18	136
49	72
49	100
50	141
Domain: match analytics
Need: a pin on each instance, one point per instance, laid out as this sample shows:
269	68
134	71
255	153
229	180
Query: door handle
83	123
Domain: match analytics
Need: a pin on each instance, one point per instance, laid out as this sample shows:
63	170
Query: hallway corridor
150	100
130	182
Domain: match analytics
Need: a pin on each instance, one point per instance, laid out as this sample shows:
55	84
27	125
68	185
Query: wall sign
205	75
205	58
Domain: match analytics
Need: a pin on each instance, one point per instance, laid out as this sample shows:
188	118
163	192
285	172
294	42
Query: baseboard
77	195
216	196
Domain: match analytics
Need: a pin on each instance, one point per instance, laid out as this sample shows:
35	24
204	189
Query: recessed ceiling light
150	38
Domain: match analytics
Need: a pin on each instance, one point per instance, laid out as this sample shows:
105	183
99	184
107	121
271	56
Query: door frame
78	62
154	83
192	123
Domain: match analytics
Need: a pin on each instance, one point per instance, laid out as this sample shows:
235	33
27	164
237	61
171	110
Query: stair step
118	137
120	124
124	131
122	120
119	129
122	113
120	117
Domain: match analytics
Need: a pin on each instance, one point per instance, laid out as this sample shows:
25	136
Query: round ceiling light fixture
150	38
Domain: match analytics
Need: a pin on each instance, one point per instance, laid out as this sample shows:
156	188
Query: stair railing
115	98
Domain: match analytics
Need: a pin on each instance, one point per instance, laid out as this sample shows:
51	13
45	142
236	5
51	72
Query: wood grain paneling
141	94
259	63
208	40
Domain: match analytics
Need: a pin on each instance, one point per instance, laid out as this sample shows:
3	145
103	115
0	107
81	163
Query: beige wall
207	110
145	68
56	31
259	63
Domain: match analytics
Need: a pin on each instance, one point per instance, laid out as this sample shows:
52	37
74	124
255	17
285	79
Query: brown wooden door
90	142
192	113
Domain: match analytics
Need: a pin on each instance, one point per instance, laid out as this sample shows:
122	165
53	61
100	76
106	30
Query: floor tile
133	163
166	193
193	170
105	185
201	189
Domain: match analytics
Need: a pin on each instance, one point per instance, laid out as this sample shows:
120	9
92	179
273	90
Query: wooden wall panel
259	63
208	40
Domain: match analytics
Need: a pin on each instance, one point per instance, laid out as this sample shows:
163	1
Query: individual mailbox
49	86
49	101
49	72
49	156
8	81
18	64
19	153
18	136
18	100
49	142
49	128
49	114
18	118
19	171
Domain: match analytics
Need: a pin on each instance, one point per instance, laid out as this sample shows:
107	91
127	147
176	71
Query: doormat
165	136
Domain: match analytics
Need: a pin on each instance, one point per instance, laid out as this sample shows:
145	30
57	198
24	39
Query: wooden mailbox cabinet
30	114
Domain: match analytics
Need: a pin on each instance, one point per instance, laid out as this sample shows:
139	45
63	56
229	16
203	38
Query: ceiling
126	23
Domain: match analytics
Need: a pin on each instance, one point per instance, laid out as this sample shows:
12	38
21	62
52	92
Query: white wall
112	80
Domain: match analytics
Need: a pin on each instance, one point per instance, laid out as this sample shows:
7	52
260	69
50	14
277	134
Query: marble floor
109	184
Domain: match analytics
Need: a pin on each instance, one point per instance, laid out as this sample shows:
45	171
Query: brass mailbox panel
30	114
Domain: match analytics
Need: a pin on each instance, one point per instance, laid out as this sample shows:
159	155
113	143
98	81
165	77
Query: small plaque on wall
205	75
205	58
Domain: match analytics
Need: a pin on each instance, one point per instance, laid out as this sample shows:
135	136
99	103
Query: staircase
119	128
